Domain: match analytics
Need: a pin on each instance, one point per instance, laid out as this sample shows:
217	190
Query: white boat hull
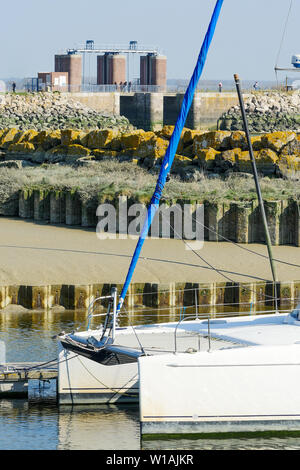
85	381
230	390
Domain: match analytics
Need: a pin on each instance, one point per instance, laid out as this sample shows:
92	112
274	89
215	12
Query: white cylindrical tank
296	60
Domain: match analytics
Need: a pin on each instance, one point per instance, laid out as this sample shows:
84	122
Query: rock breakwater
45	111
212	153
267	112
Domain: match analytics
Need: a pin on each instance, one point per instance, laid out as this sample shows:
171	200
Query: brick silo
71	63
153	70
111	69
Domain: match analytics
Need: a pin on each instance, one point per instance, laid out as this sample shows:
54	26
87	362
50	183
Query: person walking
255	86
13	87
220	87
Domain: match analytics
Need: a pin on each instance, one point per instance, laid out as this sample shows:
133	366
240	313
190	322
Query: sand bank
35	254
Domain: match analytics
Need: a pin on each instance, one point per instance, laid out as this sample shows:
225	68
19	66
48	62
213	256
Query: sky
247	38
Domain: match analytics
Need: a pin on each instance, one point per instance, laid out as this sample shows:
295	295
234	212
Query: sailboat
113	364
101	366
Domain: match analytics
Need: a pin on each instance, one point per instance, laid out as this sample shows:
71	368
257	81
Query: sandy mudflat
35	254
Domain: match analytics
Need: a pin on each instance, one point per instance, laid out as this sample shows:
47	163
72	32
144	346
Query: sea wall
208	297
152	111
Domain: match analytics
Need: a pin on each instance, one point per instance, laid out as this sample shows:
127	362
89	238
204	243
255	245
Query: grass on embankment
111	179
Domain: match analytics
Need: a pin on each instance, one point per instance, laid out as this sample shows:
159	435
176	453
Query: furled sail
171	151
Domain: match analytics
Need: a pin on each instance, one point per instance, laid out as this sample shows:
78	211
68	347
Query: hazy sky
246	42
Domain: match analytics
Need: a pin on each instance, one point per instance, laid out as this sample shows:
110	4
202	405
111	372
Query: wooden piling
26	204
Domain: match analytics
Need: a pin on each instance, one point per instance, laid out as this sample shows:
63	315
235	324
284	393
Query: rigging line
205	267
212	267
248	249
131	325
56	361
114	390
145	258
284	32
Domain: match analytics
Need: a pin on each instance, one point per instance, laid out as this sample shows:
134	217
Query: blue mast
170	153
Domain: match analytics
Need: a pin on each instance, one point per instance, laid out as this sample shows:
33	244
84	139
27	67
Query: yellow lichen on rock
206	158
77	150
217	140
100	154
277	140
155	147
59	150
180	160
265	160
289	164
27	136
116	143
266	156
8	138
256	142
231	156
71	137
244	161
21	147
166	132
2	132
238	140
134	139
48	139
189	135
101	139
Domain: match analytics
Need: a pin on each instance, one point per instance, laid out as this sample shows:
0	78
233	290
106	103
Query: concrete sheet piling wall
236	221
57	207
41	205
26	204
173	297
73	209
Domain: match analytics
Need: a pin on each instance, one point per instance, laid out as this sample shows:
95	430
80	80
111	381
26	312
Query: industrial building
112	67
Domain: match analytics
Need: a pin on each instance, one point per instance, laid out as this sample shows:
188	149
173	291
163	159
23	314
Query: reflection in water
247	442
23	427
28	338
98	427
26	427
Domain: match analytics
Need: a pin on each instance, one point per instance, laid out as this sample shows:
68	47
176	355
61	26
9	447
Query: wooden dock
15	379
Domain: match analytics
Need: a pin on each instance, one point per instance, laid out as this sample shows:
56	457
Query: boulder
101	139
134	139
154	148
228	159
48	139
288	165
8	137
71	136
76	150
277	140
22	147
207	158
218	140
104	154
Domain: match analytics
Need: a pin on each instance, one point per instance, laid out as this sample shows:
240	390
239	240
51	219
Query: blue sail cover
171	151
